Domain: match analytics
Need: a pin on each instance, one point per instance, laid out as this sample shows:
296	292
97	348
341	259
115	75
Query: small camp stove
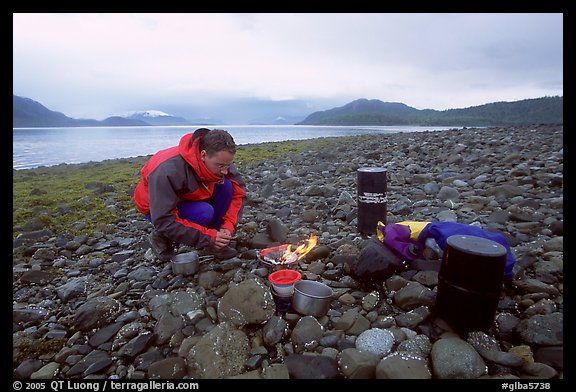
285	256
274	257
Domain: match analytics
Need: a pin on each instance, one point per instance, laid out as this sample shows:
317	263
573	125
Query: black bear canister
470	282
371	184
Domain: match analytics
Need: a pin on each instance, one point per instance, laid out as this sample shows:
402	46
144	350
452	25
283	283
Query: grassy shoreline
58	197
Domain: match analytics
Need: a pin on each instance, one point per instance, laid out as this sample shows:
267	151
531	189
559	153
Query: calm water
34	147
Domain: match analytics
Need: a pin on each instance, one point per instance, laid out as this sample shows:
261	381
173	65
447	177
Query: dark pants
208	213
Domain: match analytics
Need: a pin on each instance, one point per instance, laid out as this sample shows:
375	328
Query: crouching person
193	194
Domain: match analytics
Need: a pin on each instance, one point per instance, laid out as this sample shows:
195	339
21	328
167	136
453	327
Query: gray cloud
96	65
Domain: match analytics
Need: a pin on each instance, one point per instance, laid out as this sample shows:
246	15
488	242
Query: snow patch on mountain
148	113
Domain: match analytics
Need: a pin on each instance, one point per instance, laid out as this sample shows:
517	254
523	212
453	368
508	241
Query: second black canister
470	282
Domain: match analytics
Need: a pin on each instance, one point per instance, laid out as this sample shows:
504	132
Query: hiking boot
161	246
224	253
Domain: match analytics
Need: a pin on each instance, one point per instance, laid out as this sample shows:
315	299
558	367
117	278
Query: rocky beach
101	306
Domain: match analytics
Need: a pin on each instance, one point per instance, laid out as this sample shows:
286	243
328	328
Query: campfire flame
302	250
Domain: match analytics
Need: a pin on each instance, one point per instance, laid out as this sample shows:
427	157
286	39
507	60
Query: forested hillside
545	110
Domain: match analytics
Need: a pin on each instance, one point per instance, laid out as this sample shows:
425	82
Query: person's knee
197	212
205	214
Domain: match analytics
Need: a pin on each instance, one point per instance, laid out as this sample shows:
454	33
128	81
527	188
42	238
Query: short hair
217	140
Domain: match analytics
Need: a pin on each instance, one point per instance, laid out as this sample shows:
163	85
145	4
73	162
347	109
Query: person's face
219	163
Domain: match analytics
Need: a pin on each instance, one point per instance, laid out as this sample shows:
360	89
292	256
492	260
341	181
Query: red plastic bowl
284	277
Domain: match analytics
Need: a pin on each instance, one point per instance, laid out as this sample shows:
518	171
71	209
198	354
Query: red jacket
172	175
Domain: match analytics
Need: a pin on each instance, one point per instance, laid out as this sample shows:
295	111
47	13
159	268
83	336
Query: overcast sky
97	65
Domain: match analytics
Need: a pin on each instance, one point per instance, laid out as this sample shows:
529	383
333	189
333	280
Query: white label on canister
372	198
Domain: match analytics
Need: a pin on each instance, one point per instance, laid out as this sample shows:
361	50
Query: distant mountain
276	120
157	117
546	110
27	113
245	111
363	112
116	121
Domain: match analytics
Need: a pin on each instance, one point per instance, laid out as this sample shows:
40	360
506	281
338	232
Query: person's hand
222	239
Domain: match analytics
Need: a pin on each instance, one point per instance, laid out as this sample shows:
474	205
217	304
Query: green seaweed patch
56	271
94	255
62	195
25	347
251	153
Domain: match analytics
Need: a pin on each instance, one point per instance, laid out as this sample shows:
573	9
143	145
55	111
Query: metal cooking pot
188	263
311	298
